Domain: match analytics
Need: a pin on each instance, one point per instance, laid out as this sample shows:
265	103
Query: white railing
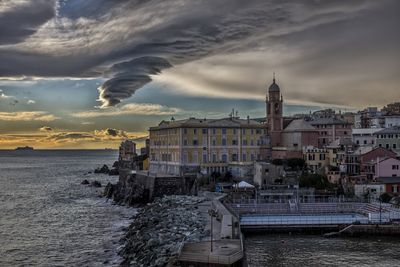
300	220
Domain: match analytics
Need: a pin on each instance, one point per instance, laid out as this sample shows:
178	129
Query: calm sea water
313	250
47	218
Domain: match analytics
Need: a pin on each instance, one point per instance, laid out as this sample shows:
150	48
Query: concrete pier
227	243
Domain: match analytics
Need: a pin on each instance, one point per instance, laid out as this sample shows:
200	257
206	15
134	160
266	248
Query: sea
47	218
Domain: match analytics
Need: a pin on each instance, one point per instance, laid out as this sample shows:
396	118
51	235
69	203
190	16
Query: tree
296	163
277	162
227	176
385	197
317	181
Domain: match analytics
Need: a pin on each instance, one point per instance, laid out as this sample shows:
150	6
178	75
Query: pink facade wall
309	139
388	168
281	154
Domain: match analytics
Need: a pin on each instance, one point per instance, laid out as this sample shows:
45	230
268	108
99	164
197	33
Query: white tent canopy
243	184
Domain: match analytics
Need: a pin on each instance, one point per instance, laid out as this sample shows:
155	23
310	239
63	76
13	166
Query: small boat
24	148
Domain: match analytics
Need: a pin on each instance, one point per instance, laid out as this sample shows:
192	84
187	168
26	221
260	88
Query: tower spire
273	77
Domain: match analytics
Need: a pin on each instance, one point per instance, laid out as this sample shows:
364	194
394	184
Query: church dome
274	87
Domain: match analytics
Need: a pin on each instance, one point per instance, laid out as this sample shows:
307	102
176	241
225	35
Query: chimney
248	119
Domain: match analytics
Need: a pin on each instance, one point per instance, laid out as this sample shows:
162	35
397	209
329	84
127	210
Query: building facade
206	145
389	138
331	129
316	158
127	150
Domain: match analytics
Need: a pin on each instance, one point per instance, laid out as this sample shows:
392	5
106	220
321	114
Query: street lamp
213	213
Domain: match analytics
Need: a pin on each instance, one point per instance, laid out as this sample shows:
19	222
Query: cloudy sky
88	73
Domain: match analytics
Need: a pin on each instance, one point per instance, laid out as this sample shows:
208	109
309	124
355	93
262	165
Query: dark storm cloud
18	21
128	77
128	41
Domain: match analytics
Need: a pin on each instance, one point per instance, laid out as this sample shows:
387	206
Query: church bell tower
274	108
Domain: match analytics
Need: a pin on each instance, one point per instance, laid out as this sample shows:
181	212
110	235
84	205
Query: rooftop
328	121
388	180
198	123
392	130
299	125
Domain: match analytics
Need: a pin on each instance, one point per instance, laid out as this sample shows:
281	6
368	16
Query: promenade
227	244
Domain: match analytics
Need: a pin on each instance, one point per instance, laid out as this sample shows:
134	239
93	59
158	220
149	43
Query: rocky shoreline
160	228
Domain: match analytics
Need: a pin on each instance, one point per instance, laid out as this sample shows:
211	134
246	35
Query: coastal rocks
95	184
160	229
130	193
103	169
113	171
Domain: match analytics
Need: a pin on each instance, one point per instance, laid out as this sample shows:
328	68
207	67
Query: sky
90	73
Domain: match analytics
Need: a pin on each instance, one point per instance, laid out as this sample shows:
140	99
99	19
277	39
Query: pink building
388	167
331	129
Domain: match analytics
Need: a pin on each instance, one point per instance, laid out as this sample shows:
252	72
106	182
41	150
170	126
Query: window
214	131
185	142
214	142
243	131
357	142
195	142
395	167
184	131
394	188
244	142
194	157
234	142
224	158
244	157
252	142
223	141
365	142
258	131
214	157
223	130
234	131
387	146
194	131
234	157
204	131
204	157
394	146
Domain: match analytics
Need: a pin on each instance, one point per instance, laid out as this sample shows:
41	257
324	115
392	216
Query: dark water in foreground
47	218
312	250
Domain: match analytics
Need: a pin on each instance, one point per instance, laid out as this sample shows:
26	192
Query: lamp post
213	213
380	210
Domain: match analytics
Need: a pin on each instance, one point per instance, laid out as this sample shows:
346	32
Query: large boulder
103	169
113	171
96	184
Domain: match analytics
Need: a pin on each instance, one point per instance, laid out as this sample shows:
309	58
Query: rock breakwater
160	228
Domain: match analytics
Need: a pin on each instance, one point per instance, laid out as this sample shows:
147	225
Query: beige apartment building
206	145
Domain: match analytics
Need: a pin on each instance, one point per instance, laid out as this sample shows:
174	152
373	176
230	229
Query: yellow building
206	145
316	158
